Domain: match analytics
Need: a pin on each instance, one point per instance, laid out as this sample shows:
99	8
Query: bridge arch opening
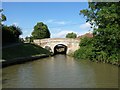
60	49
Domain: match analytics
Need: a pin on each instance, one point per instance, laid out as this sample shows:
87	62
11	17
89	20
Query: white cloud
62	33
49	21
53	21
15	23
61	22
26	32
85	26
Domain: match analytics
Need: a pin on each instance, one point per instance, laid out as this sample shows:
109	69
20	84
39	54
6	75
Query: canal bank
22	53
20	60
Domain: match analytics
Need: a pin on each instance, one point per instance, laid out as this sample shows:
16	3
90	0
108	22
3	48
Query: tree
102	13
71	35
10	33
40	31
29	39
106	45
15	30
105	16
3	17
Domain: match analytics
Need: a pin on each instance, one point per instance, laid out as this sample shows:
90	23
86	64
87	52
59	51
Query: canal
60	71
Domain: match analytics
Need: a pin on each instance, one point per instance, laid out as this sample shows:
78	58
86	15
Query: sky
60	17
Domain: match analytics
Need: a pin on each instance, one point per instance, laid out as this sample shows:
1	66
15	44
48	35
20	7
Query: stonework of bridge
72	44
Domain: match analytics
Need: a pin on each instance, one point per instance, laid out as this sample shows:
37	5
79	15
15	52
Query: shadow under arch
60	49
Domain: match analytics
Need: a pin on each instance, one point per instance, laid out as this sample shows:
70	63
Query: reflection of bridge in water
51	43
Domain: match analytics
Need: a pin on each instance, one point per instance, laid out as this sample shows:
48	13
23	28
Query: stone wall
72	44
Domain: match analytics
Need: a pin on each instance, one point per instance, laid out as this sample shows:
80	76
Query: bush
113	59
88	51
71	35
10	34
85	51
101	56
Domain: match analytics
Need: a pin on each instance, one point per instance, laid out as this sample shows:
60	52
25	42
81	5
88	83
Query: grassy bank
22	50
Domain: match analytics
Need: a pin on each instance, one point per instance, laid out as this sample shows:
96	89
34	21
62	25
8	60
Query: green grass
23	50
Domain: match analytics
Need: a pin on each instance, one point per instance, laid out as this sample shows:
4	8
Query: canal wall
20	60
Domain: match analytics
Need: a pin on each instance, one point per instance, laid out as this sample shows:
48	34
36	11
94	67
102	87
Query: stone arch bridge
72	44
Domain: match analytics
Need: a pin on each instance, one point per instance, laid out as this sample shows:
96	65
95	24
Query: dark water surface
60	71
